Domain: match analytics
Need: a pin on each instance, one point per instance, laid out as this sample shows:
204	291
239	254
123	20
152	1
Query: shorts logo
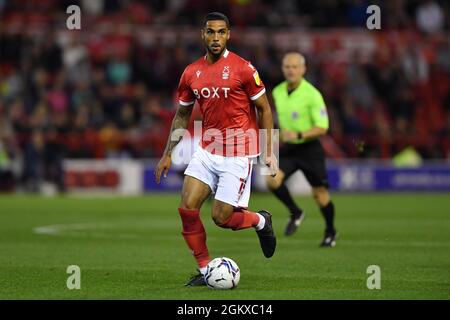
241	187
198	73
226	73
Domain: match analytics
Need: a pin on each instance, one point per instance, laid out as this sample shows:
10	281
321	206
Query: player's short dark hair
216	16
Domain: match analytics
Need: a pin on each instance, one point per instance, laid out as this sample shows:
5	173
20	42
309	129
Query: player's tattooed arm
179	125
266	123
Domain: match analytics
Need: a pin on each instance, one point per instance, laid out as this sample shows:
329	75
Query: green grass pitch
131	248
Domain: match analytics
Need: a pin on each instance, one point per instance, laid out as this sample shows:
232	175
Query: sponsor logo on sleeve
257	79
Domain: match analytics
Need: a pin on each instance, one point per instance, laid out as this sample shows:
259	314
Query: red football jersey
224	91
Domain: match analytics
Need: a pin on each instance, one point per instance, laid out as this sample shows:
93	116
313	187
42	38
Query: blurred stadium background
107	90
88	111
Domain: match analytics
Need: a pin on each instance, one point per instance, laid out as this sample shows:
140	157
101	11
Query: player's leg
198	184
193	195
278	187
231	201
323	200
230	217
314	169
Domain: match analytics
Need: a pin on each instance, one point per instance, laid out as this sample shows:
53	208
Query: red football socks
241	219
195	236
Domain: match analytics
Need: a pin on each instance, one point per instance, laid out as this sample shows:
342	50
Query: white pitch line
100	230
76	229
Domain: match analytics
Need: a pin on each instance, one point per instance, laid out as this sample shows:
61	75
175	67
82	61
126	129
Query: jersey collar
224	55
296	89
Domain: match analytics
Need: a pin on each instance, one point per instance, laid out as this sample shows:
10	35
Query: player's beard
213	54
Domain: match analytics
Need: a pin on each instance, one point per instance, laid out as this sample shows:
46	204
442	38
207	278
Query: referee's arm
313	133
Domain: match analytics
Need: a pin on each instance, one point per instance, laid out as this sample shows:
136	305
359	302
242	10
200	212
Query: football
222	273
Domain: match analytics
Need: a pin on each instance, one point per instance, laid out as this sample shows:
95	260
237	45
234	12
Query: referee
302	118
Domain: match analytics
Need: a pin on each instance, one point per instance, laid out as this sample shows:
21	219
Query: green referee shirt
300	110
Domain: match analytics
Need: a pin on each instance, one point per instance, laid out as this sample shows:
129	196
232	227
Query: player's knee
219	216
321	196
189	203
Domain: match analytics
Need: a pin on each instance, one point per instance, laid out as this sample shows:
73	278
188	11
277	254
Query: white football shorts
228	177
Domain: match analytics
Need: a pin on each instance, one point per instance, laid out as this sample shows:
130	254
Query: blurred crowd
108	89
426	15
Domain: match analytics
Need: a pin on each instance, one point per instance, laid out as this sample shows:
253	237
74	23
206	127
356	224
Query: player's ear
228	36
202	33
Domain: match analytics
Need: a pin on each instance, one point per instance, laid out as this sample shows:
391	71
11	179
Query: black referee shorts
308	157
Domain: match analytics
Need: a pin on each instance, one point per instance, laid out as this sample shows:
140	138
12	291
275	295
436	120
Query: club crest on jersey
198	73
294	115
226	72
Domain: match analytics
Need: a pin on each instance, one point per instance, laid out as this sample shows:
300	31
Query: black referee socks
283	194
328	214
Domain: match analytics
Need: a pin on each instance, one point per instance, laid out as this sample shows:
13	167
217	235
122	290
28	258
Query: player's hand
162	166
287	135
272	162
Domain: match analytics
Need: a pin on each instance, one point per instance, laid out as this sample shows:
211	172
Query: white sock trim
261	223
203	270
